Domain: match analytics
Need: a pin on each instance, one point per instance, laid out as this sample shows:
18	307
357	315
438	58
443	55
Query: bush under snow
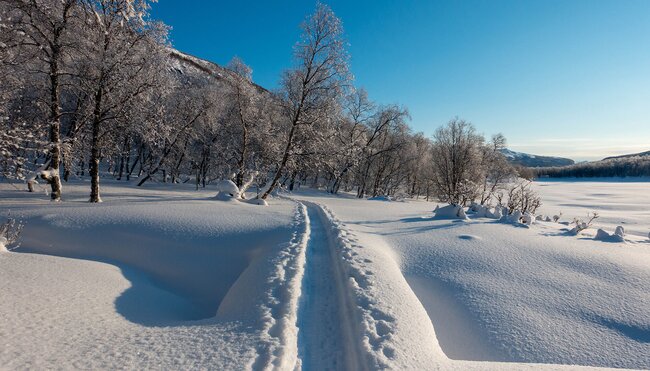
449	212
617	236
227	190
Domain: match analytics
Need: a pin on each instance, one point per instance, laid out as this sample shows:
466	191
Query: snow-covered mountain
192	70
641	154
525	159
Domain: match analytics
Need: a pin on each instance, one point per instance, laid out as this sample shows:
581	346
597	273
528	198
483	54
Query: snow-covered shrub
451	211
10	233
496	214
227	190
618	236
479	211
513	218
520	196
485	211
527	219
556	218
581	225
620	231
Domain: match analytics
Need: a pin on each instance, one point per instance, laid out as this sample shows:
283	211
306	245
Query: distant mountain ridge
632	165
640	154
528	160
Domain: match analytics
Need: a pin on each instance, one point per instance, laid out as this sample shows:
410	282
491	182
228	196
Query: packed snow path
325	339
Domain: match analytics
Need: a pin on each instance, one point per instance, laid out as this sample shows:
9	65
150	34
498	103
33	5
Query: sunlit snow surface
169	278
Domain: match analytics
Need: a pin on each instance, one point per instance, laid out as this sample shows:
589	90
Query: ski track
280	311
342	327
319	333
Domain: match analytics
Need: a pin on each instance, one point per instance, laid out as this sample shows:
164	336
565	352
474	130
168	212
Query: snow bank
449	212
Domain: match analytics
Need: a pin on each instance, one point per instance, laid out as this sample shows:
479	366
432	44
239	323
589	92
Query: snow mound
257	201
483	211
513	218
226	189
527	219
450	212
617	236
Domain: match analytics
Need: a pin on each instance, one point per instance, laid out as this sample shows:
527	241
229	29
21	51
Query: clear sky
558	77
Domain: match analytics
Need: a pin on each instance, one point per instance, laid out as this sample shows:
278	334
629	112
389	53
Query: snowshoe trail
326	336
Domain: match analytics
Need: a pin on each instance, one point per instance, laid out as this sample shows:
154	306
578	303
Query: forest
624	166
93	88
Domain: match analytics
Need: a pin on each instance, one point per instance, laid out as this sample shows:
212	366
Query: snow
619	201
226	189
157	286
165	278
496	293
450	212
3	244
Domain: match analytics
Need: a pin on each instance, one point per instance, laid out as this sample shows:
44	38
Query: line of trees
93	88
636	166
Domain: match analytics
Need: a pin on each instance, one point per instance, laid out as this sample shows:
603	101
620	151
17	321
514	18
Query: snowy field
169	278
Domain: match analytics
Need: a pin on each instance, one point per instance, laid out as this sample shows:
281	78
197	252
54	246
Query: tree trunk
283	163
53	177
94	149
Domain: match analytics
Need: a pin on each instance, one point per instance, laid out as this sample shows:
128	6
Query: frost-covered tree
456	155
315	86
246	120
496	171
123	53
38	34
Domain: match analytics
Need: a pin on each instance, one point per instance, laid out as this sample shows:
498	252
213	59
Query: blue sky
558	77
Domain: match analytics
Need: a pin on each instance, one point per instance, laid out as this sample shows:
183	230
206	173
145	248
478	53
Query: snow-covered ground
171	279
166	277
624	202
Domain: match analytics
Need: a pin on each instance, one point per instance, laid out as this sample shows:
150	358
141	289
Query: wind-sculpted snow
492	291
190	282
173	279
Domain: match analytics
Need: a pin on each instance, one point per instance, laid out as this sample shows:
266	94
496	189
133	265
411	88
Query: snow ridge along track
326	316
280	310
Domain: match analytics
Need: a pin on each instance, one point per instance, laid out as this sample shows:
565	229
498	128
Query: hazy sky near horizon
557	77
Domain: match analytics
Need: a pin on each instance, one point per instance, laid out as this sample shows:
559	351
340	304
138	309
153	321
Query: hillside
621	166
189	68
641	154
528	160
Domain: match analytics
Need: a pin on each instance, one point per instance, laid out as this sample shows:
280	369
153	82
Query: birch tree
122	59
311	89
39	31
